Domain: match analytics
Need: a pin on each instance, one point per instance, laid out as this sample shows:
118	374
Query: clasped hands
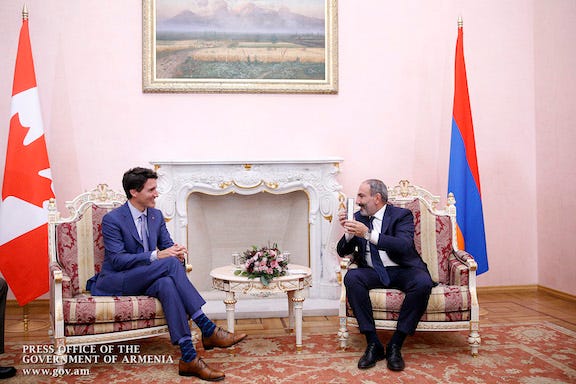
178	251
352	227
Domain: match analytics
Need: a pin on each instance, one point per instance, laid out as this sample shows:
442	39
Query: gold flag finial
460	22
25	12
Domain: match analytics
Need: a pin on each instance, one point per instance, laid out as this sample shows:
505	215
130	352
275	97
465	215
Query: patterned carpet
528	354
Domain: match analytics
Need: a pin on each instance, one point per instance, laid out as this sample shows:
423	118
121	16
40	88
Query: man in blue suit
381	237
141	259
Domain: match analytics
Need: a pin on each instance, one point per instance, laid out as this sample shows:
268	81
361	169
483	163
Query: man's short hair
135	178
378	186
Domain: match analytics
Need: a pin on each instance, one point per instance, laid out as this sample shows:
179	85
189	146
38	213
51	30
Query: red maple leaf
23	164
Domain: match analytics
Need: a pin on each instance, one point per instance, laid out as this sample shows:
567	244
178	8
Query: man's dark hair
135	178
377	186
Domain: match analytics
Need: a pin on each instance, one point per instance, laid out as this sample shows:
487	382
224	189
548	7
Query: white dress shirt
374	236
136	217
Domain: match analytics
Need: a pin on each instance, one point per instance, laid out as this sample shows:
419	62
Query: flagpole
25	324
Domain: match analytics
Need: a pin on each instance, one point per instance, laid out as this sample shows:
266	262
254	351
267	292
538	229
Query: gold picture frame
245	48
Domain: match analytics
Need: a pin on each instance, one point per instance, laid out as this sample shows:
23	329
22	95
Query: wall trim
508	289
38	303
559	294
527	289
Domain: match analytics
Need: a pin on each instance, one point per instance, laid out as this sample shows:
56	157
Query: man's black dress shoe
394	357
373	354
7	372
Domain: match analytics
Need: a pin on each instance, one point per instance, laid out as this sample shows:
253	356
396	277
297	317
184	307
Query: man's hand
352	227
342	217
178	251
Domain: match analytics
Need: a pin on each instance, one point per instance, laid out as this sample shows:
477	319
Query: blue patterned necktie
144	232
377	261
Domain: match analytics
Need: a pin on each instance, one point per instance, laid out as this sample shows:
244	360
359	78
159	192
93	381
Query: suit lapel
386	219
153	218
130	223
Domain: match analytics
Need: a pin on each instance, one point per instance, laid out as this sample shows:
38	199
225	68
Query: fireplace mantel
317	178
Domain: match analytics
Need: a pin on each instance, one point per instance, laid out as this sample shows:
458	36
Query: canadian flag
27	186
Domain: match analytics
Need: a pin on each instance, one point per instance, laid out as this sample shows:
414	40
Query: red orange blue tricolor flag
27	185
463	176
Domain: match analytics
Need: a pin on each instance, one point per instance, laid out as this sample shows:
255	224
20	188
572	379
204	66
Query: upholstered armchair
453	304
76	250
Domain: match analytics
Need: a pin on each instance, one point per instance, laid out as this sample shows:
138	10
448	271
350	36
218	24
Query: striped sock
205	324
188	350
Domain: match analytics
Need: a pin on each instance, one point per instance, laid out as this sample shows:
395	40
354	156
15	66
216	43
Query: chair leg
60	355
343	334
474	338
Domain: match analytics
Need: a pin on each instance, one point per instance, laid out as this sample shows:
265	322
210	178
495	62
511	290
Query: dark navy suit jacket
124	249
396	238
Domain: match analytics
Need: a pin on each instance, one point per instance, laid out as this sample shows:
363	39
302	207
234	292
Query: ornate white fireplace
220	207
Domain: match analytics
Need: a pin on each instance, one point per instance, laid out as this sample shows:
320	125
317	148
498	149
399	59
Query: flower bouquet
264	263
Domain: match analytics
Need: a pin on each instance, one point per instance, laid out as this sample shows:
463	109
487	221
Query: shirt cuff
154	256
373	237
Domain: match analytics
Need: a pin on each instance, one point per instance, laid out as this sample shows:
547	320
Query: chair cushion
447	303
86	314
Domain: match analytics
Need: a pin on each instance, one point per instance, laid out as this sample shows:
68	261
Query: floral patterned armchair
453	304
76	250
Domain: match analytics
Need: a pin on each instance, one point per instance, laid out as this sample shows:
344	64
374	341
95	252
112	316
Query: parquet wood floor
519	306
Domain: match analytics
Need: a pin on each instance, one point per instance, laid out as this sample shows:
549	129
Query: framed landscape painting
243	46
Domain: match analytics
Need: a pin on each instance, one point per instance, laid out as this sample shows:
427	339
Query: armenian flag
463	176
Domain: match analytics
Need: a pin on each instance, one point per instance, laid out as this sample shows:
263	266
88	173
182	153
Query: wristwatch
367	235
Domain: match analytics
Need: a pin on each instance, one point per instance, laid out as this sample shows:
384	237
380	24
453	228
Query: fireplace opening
219	225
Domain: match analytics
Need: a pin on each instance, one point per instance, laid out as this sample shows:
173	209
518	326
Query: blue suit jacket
396	238
124	249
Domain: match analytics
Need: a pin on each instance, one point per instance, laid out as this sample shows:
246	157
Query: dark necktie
377	261
144	232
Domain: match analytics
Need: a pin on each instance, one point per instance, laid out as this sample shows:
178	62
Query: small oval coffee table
293	284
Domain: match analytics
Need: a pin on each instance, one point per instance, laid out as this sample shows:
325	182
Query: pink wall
395	102
555	86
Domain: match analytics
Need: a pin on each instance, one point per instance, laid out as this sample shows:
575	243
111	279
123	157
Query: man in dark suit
141	259
5	372
381	237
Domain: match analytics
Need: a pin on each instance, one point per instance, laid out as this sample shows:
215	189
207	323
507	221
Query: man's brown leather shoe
199	368
222	339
